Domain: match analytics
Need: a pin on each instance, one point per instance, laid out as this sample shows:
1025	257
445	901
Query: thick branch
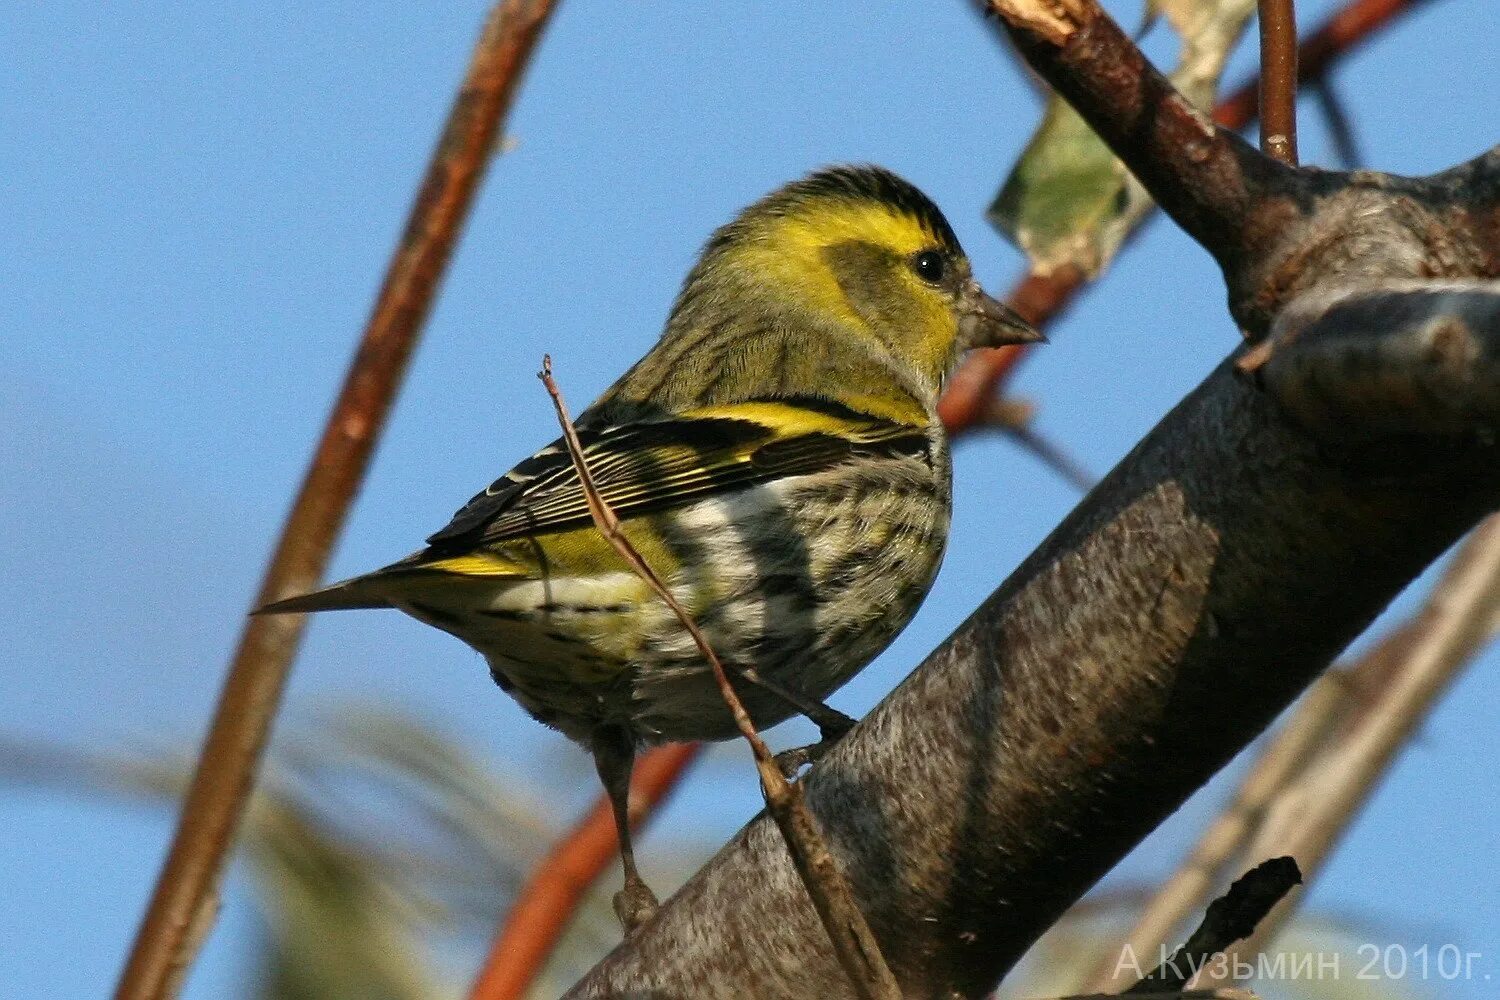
182	906
1398	359
1190	597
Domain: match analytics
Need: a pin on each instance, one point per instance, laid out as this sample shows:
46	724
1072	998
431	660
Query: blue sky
200	201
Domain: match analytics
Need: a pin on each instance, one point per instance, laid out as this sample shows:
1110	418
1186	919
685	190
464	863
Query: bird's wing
652	465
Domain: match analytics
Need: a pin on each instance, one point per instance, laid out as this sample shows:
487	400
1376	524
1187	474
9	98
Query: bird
776	458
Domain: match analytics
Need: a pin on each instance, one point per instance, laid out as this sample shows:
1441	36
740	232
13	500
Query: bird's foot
832	729
635	904
789	762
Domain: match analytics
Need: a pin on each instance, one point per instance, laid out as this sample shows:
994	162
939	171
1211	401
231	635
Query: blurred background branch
185	901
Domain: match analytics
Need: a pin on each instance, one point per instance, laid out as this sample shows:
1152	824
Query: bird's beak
987	322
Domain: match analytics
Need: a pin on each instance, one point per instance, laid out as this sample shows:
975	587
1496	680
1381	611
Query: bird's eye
929	266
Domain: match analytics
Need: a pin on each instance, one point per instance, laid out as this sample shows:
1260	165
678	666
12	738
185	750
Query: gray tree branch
1188	599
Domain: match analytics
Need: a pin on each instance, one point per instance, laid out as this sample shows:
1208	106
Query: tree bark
1186	601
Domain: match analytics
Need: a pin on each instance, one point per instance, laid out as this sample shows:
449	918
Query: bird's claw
832	730
634	905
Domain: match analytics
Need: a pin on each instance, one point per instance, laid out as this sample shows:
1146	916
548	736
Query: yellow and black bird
776	458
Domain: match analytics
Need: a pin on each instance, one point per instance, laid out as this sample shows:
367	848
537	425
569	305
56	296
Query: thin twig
1340	127
853	941
1230	918
1053	456
1278	80
546	903
184	899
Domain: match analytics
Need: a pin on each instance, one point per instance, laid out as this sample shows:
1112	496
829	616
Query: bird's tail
416	574
359	592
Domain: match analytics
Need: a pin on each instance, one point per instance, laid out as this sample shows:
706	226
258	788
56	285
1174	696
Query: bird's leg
832	724
614	755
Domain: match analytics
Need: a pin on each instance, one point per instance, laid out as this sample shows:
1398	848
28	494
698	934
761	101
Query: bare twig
546	903
1278	80
184	899
1014	418
1340	126
1341	34
1230	918
853	941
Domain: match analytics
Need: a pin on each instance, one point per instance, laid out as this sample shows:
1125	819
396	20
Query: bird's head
861	248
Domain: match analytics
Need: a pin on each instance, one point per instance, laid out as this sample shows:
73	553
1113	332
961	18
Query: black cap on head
867	182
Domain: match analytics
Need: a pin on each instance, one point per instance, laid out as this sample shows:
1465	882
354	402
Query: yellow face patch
787	250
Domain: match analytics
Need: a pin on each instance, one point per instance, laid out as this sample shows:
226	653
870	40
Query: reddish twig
853	941
183	904
1278	80
1040	299
1341	34
547	901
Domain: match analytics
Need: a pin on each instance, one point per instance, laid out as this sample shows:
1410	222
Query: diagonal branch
184	902
1182	606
